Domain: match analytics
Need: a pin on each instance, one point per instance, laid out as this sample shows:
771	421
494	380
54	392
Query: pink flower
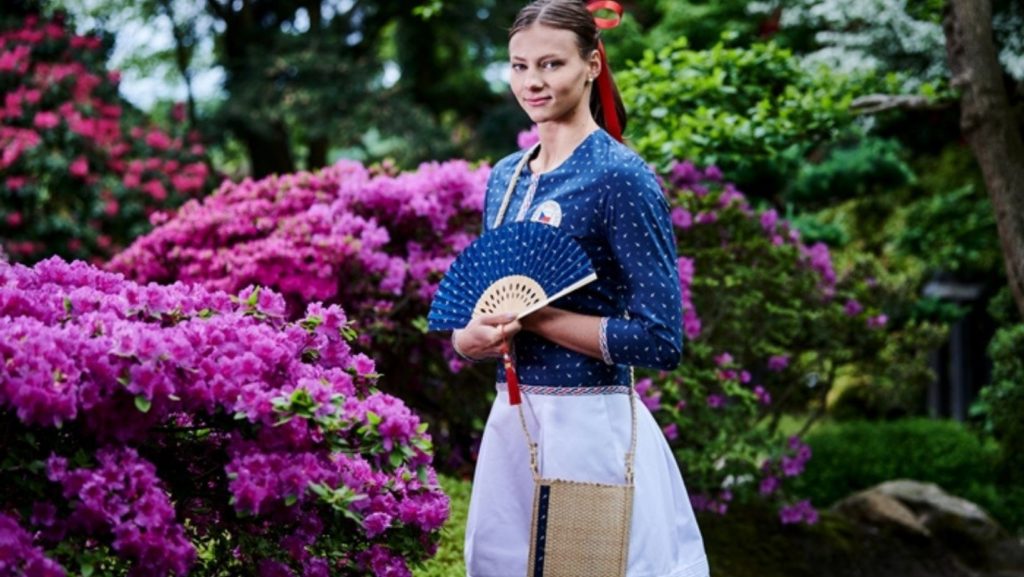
769	485
706	217
158	140
376	523
799	512
723	359
852	308
682	218
763	396
685	174
671	431
79	167
715	401
178	112
877	322
777	363
45	120
528	138
155	189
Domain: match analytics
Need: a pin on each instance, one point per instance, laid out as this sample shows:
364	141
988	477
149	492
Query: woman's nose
533	80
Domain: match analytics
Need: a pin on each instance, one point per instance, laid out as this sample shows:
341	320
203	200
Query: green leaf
420	324
254	297
143	404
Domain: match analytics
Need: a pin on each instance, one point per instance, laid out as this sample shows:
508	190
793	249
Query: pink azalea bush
769	324
172	430
374	242
79	175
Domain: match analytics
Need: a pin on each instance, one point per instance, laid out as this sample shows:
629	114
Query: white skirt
580	438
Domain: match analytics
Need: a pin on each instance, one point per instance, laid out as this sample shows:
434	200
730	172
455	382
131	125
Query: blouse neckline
586	139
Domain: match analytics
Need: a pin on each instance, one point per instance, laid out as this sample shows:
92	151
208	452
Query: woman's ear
594	65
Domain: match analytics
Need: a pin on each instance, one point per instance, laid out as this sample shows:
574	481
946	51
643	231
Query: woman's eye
551	64
518	67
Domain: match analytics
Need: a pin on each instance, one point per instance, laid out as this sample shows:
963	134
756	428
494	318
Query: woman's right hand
482	337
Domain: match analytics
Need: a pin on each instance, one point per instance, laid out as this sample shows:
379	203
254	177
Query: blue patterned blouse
607	198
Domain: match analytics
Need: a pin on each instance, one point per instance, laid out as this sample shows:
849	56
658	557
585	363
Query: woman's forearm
574	331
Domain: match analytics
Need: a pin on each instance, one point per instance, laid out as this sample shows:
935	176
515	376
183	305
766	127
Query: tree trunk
269	150
317	157
989	126
182	58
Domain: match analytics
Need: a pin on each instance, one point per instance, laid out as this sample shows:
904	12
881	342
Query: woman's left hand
483	336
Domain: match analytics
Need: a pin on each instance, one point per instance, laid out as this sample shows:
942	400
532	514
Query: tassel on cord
510	375
511	378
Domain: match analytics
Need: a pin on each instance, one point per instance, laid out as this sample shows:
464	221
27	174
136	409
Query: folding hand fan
519	268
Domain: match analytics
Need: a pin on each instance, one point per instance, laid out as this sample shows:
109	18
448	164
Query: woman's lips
538	101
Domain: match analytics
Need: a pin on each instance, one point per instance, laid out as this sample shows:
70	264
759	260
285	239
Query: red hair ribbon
604	79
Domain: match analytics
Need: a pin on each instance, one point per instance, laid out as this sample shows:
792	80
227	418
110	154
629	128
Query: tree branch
220	10
876	103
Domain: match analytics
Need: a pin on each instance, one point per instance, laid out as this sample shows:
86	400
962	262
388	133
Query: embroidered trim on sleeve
605	355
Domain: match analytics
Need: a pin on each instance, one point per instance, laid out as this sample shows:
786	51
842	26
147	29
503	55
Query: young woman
573	358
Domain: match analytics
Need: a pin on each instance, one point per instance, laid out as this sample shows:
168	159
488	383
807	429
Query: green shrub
850	170
1005	503
755	112
852	456
855	455
1002	401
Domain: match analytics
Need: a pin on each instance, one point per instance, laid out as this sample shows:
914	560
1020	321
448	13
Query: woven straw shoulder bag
580	529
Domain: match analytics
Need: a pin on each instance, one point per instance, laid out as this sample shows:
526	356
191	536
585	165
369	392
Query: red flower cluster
78	180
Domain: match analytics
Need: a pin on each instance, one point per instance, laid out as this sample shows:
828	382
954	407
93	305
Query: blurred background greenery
839	114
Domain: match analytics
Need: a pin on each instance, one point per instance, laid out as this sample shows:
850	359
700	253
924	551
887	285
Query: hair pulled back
572	15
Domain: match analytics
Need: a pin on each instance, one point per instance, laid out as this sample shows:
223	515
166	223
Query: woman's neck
558	141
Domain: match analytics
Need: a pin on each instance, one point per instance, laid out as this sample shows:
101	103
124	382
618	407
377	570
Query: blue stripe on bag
542	530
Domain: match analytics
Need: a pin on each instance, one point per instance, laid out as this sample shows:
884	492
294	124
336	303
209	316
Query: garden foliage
1002	400
771	326
378	244
160	430
80	175
855	455
754	112
374	242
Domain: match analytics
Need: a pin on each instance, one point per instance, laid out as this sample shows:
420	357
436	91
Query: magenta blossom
800	512
778	362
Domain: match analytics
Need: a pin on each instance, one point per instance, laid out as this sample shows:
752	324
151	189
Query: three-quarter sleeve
641	239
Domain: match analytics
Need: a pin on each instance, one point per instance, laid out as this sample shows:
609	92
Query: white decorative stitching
502	386
605	355
530	192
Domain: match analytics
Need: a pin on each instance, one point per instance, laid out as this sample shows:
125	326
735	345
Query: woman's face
549	75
